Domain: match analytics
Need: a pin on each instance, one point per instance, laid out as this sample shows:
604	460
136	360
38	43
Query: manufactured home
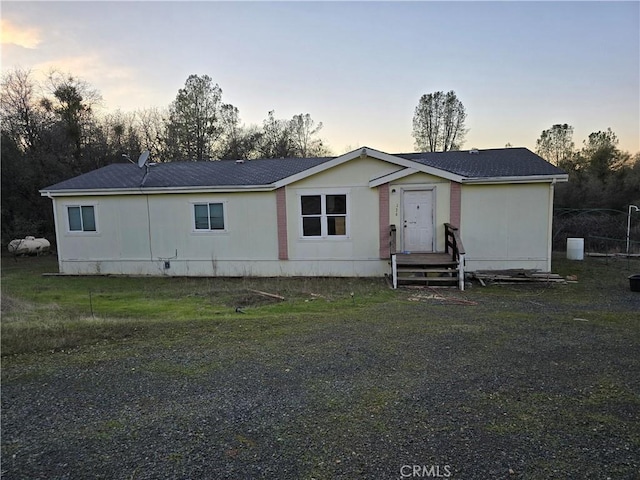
359	214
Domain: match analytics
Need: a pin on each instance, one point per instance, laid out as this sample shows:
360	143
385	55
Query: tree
556	145
49	133
114	135
276	138
237	142
151	127
194	119
438	122
601	153
303	130
600	175
71	123
19	108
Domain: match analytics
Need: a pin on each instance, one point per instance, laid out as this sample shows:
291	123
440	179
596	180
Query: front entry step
446	277
425	269
441	281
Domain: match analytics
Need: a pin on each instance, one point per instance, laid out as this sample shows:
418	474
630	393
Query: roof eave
517	179
155	190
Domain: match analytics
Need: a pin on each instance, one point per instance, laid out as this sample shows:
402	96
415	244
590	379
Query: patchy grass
58	312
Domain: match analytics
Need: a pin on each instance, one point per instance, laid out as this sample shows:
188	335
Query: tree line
600	174
52	131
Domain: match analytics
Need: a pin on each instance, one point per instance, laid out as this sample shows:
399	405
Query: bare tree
237	141
152	131
276	138
19	109
291	138
303	136
438	122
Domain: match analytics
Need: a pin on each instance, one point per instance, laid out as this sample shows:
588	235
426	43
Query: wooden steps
435	269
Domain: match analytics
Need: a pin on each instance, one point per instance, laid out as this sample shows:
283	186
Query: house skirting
473	265
228	268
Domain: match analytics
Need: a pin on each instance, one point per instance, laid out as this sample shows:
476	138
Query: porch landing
425	258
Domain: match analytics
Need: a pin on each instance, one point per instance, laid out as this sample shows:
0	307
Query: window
82	218
324	215
209	216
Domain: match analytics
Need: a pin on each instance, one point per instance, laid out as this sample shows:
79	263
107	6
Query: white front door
418	227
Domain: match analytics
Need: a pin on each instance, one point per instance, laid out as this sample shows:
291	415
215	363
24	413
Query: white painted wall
125	242
339	255
506	226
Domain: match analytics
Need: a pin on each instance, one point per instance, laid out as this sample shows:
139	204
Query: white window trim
225	219
323	215
66	207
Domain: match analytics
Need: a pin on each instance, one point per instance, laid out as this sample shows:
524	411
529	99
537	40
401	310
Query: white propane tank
29	246
575	248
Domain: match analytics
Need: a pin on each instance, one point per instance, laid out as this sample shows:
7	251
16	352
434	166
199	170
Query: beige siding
121	229
506	226
127	242
358	253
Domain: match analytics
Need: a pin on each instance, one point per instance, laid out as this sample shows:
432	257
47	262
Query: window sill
209	232
331	238
82	234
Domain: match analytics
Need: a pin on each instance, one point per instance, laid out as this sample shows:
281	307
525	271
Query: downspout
57	231
550	226
144	178
149	229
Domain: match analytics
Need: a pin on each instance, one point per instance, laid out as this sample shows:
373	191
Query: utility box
575	248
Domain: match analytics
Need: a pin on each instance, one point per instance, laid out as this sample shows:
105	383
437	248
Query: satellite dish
143	158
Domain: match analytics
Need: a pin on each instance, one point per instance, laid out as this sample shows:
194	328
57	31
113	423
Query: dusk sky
359	67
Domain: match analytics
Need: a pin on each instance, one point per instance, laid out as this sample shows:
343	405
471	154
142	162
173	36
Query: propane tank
29	246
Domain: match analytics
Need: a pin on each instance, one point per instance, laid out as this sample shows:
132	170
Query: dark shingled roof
224	173
501	162
505	162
